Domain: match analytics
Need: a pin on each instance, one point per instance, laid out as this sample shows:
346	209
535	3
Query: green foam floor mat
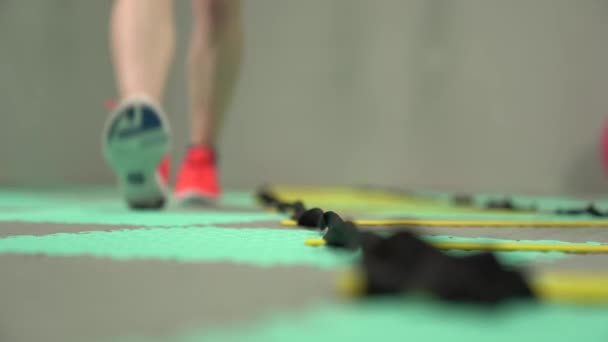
239	234
83	215
255	246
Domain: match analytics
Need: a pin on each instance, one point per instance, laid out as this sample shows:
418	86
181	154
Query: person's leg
213	65
136	136
142	41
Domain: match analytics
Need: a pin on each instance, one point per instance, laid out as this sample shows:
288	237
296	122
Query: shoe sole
194	198
135	139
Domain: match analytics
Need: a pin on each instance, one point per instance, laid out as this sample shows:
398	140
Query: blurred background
480	95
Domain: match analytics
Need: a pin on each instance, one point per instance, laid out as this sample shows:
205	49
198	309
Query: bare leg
213	64
142	39
136	134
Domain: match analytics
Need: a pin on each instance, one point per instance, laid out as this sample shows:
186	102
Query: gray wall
473	94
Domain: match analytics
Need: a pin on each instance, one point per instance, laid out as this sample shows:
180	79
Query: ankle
140	97
203	146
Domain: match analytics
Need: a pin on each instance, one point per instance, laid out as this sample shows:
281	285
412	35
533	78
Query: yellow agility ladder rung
503	246
474	223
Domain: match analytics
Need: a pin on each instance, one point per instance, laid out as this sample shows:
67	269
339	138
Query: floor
77	265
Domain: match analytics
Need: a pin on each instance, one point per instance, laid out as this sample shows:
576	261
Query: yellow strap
501	246
474	223
572	287
522	246
315	242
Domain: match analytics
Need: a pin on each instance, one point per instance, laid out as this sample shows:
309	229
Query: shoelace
199	159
